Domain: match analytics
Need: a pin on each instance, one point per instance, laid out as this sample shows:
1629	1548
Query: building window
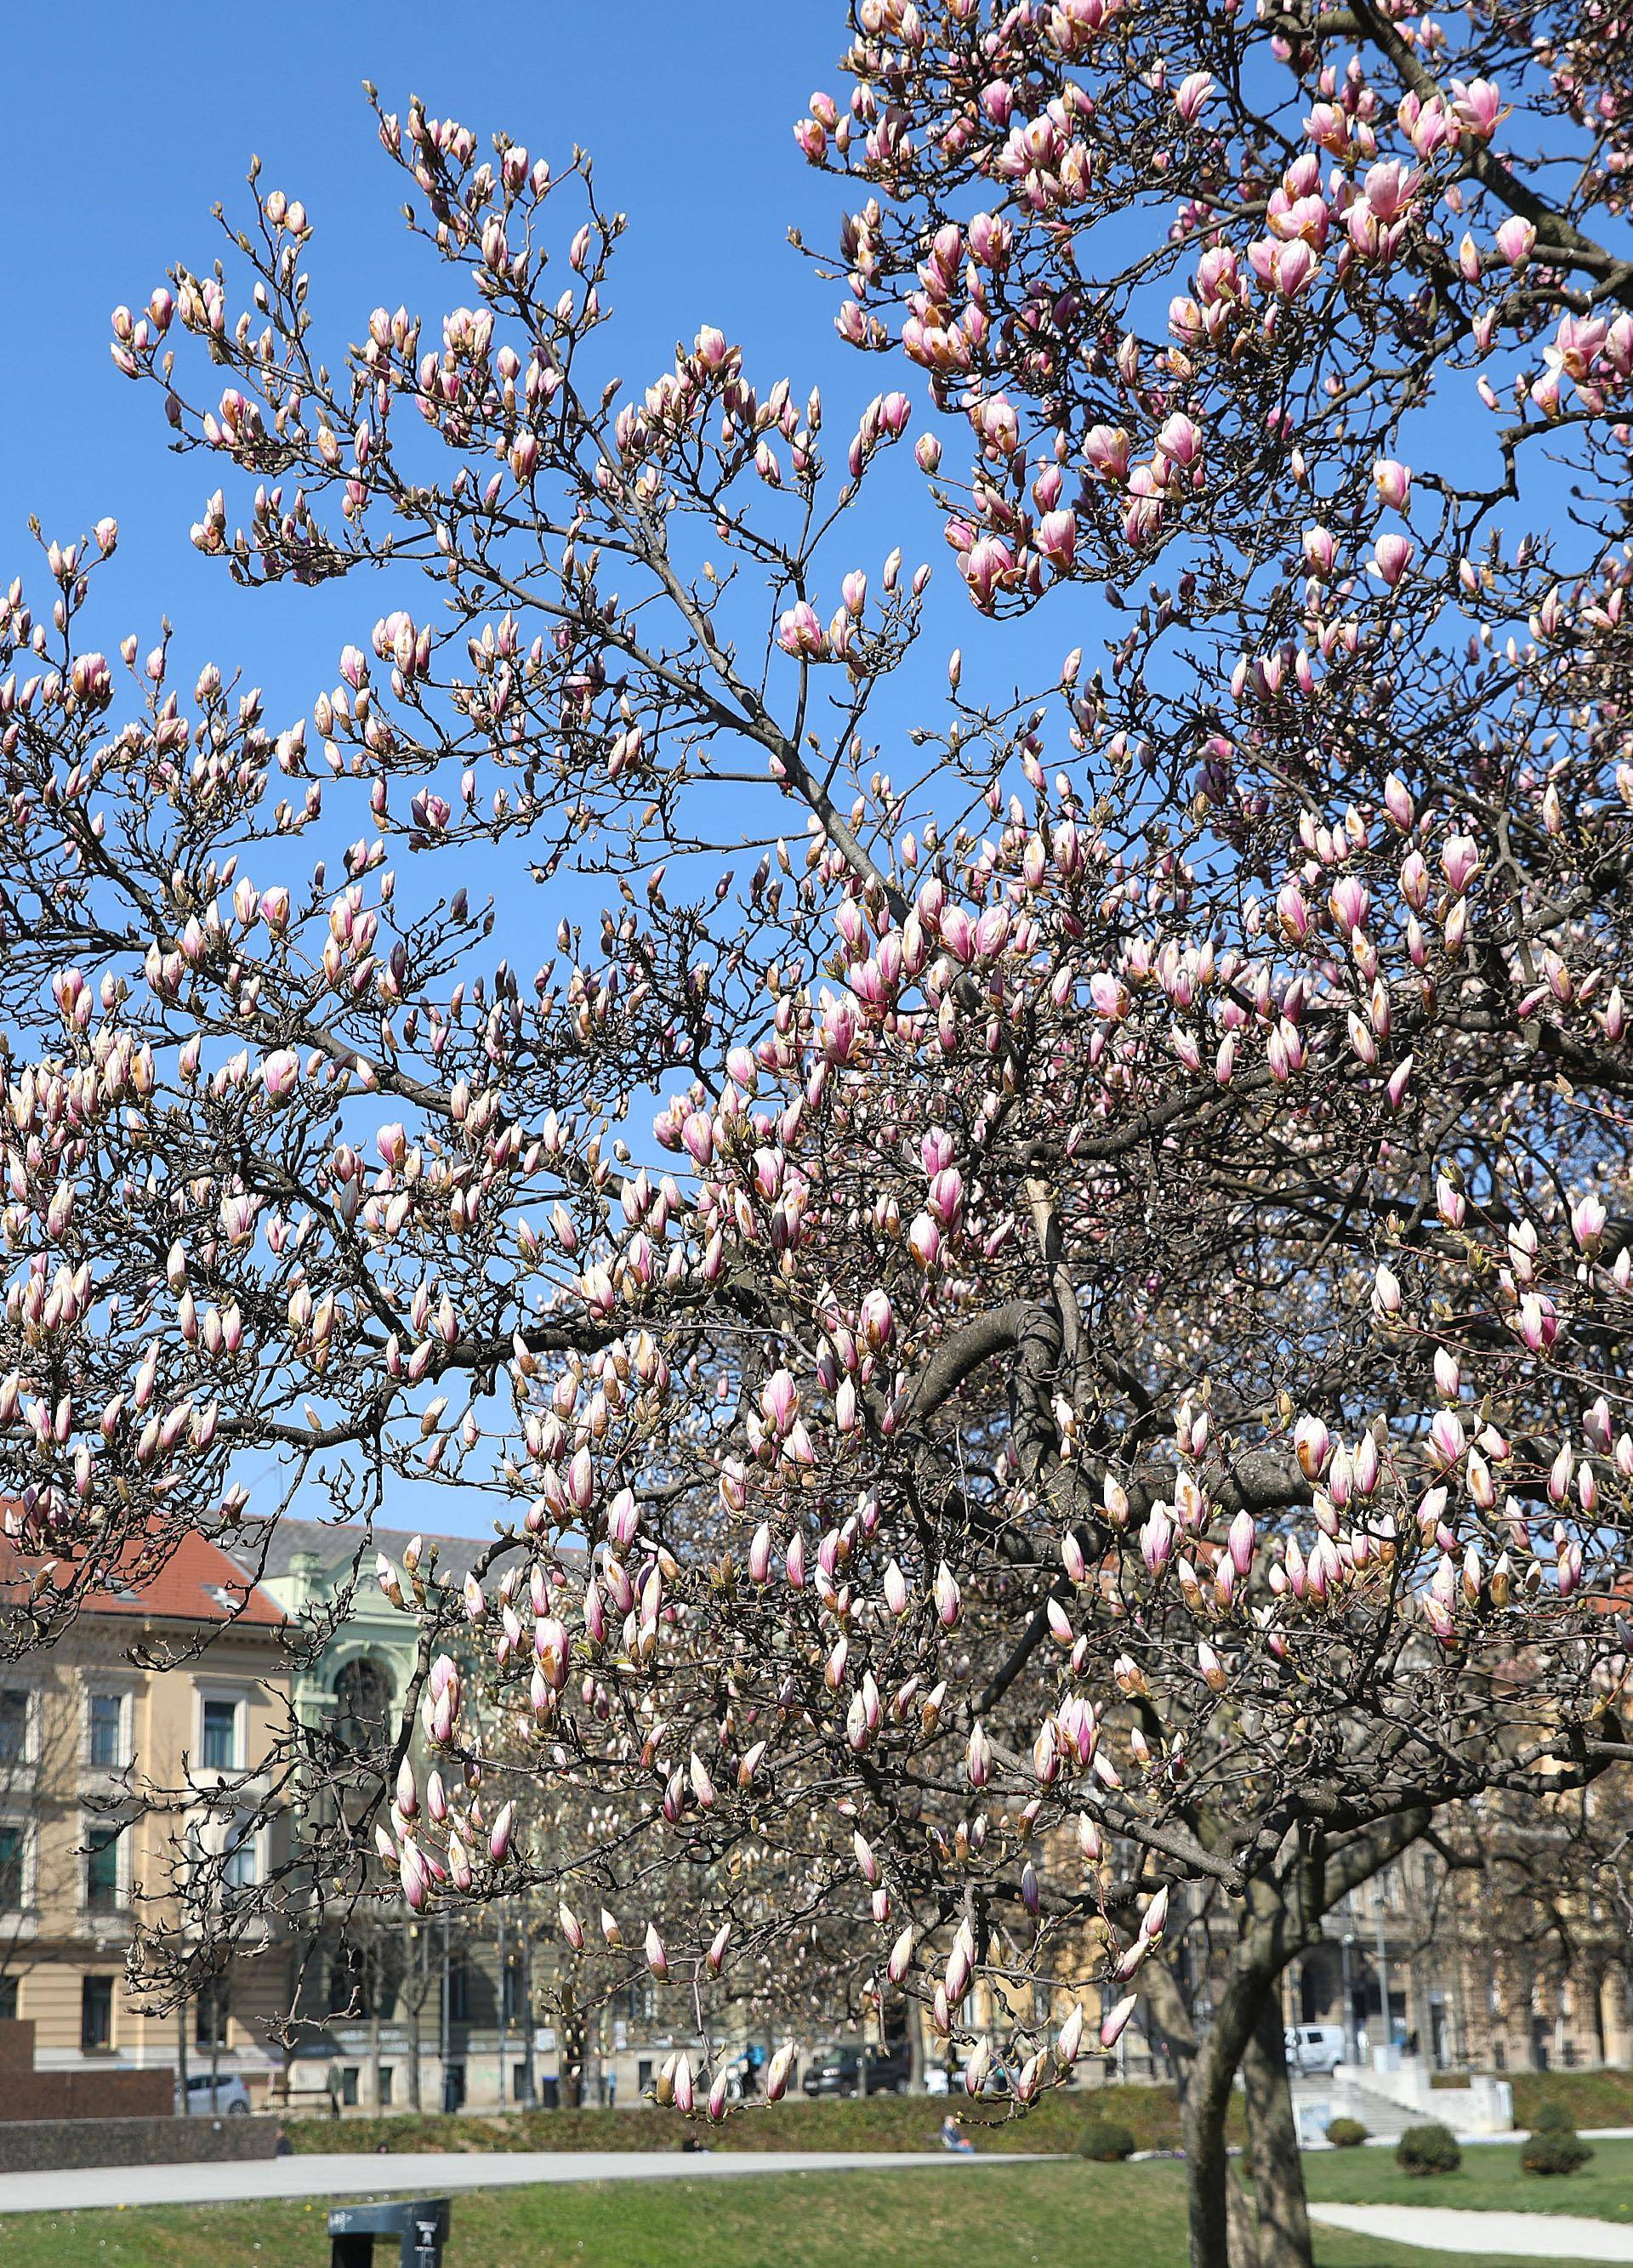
8	1999
349	2076
107	1730
220	1744
238	1871
382	2082
514	1996
362	1705
13	1848
96	2015
102	1869
209	2014
459	1991
13	1725
348	1983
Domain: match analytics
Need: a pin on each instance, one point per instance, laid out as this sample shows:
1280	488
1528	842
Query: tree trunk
1243	2224
915	2048
1280	2213
1204	2099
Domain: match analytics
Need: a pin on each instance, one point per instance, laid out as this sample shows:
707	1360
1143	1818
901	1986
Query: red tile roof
191	1581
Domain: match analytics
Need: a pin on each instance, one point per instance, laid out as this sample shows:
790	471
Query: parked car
839	2071
208	2098
1315	2048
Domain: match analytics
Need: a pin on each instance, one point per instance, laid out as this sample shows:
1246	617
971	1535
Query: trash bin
419	2225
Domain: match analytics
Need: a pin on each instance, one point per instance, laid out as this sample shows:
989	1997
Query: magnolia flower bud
1112	2026
977	1757
777	2072
945	1591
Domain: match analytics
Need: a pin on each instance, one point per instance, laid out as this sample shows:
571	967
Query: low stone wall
104	2096
41	2146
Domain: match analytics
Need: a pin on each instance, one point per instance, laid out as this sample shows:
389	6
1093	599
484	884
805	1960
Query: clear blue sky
127	123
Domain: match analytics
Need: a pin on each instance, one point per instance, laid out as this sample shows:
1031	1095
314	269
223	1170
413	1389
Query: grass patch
1490	2179
959	2217
1593	2098
885	2122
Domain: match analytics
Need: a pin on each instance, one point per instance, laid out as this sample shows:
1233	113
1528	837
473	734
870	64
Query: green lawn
959	2217
1490	2177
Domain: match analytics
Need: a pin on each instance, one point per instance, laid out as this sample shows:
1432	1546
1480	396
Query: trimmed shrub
1106	2142
1346	2133
1428	2150
1553	2145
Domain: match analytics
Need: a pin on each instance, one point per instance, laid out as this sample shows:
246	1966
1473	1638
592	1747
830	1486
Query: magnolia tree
1037	1292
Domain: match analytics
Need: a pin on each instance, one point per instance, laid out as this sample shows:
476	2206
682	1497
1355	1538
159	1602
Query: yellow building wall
48	1950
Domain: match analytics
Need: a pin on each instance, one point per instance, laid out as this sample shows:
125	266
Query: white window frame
253	1844
10	1683
236	1695
102	1690
31	1866
110	2047
90	1820
207	1835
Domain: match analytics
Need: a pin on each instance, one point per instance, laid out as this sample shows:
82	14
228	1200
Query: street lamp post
1350	2052
504	2009
1382	1973
446	2012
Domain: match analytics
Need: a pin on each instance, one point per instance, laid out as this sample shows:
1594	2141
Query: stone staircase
1387	2097
1317	2101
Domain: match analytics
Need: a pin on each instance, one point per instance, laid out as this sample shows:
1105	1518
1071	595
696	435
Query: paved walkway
1562	2236
434	2173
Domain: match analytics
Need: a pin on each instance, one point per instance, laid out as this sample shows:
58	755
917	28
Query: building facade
392	2012
1444	1962
103	1756
449	2010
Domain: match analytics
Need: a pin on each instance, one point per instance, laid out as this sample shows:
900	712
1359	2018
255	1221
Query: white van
1315	2048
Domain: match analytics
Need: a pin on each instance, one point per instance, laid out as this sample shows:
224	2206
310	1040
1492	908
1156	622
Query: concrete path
436	2173
1562	2236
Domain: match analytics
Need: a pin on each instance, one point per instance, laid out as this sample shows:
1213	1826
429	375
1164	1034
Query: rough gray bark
1243	2227
1202	2126
1280	2219
1221	2221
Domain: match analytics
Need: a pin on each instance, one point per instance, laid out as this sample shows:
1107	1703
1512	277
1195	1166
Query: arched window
362	1704
348	1982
